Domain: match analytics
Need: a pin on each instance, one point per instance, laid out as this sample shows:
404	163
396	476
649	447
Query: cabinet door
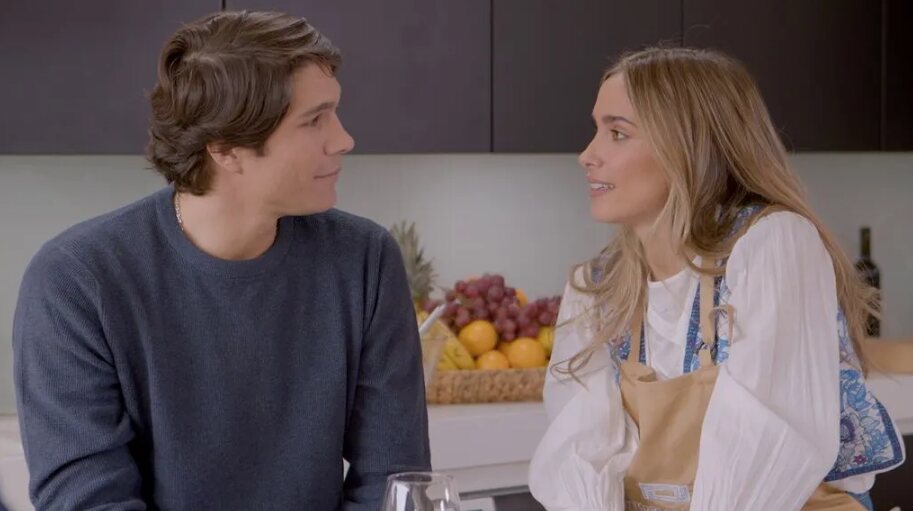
818	64
898	107
415	76
76	74
548	57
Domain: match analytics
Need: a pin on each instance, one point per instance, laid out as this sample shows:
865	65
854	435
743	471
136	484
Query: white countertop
485	446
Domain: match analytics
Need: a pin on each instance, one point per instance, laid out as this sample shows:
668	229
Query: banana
446	364
454	355
456	352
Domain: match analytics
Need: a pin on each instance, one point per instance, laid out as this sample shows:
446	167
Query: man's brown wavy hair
225	79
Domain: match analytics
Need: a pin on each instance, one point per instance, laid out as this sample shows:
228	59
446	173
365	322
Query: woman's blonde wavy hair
710	132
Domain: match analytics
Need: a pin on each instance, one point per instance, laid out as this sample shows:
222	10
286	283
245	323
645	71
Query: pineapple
419	270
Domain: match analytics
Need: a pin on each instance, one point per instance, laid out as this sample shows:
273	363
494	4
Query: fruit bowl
474	385
456	375
496	344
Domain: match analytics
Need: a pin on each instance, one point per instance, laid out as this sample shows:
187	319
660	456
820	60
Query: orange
478	337
492	360
521	297
503	346
526	352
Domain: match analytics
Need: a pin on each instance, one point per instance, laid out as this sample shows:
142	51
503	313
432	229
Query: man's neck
224	226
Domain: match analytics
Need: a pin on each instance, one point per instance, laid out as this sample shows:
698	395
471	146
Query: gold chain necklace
177	210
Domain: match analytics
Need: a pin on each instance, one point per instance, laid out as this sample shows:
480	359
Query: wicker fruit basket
485	386
477	385
460	382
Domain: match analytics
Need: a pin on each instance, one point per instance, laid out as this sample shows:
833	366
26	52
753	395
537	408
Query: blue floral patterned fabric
868	440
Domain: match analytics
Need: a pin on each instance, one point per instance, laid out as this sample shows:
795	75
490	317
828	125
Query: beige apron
670	414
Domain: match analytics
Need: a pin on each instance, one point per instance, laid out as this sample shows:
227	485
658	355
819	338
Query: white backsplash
526	216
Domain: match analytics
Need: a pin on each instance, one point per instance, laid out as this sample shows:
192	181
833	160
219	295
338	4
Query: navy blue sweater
150	375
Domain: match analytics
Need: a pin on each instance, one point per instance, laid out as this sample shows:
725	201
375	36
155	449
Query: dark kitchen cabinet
895	488
416	74
548	57
898	75
76	74
818	64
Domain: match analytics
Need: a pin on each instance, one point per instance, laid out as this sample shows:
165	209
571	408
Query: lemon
547	338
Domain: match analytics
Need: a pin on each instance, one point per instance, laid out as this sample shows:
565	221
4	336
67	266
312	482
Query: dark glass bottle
870	273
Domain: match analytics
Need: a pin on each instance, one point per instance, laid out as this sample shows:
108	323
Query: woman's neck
664	258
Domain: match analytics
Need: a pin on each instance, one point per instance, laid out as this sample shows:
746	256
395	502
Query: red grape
531	330
523	321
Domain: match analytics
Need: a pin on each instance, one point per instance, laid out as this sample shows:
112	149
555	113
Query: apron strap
707	315
705	312
637	325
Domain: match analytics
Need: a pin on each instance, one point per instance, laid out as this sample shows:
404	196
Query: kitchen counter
487	447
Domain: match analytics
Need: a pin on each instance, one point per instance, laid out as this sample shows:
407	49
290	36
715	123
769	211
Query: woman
709	357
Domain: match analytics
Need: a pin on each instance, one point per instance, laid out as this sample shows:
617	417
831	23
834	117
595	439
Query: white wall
852	190
525	216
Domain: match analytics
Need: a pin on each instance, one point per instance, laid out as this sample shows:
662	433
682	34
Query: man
225	342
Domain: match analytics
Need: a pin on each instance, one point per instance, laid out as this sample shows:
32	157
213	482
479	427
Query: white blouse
771	432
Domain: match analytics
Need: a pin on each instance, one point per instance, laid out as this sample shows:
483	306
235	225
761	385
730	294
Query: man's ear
226	158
